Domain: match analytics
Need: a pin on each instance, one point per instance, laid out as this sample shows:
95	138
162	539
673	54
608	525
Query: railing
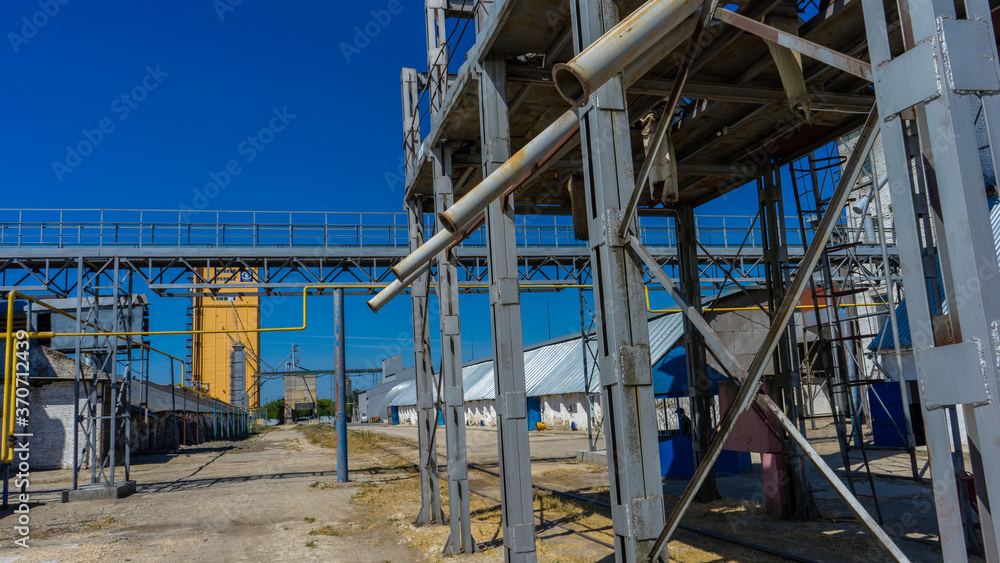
105	228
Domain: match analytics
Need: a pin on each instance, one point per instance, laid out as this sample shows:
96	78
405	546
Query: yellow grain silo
223	310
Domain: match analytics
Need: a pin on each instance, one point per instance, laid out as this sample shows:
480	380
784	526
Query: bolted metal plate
635	368
968	66
505	292
458	470
647	517
425	400
918	70
453	397
955	374
452	326
514	406
520	538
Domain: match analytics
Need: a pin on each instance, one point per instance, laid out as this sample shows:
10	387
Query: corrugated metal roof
883	340
404	393
552	368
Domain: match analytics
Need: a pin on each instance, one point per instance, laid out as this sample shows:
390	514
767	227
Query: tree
325	407
275	407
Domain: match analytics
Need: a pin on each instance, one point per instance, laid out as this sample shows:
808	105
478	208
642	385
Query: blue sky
139	105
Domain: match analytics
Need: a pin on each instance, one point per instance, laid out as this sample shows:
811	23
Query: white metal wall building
555	380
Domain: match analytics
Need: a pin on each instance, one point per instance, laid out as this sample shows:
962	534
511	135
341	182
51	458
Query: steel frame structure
593	81
936	178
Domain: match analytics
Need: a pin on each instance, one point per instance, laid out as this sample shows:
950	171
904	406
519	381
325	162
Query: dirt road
242	501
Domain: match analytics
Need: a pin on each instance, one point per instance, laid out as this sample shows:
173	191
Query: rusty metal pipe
546	143
399	285
616	49
525	162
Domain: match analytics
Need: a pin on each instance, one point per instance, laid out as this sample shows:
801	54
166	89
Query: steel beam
792	475
699	389
925	97
517	503
623	338
460	539
779	323
732	366
812	50
430	490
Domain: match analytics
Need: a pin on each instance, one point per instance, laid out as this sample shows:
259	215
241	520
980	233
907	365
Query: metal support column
944	233
620	306
585	350
112	358
430	490
792	475
460	540
699	389
78	360
339	383
517	503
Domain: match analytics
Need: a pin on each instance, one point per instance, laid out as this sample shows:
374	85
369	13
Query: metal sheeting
160	399
553	368
883	340
404	393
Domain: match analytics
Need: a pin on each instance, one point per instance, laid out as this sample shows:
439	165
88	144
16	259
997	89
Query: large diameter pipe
467	209
595	65
494	185
397	286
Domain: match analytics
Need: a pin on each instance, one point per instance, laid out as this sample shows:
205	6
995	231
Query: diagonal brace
735	370
666	121
805	47
810	260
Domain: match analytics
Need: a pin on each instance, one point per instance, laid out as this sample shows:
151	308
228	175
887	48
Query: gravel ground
241	501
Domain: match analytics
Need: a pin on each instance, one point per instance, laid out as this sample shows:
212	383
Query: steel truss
617	245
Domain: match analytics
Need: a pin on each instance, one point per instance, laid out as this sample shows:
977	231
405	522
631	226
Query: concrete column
517	503
622	330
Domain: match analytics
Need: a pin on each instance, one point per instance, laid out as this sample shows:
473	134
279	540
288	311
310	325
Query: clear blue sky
167	94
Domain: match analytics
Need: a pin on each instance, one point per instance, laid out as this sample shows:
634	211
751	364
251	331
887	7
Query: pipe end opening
569	84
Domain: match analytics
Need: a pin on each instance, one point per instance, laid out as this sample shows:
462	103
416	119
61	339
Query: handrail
712	230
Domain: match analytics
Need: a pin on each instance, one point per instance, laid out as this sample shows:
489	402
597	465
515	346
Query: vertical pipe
340	383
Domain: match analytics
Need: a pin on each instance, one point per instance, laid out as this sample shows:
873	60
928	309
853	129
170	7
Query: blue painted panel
677	458
395	415
888	424
441	417
534	412
670	377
